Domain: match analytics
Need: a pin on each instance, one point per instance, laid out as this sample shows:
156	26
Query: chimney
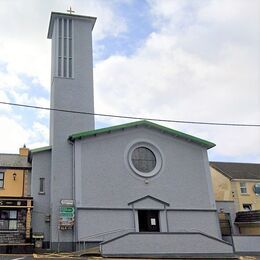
24	151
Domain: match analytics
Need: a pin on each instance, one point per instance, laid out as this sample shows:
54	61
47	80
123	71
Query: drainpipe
73	195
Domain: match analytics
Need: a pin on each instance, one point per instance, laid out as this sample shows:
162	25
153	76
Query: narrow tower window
42	186
65	57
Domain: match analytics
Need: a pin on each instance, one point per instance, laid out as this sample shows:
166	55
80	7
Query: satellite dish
257	188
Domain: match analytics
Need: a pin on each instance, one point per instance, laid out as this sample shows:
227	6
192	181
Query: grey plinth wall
247	244
163	244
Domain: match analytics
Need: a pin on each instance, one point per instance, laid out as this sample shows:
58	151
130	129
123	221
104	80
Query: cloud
200	63
24	45
25	61
11	135
14	134
195	66
40	134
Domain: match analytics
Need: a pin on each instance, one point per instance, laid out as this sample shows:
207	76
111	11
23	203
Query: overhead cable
132	117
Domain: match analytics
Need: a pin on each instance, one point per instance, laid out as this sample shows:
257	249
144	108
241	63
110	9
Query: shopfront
15	222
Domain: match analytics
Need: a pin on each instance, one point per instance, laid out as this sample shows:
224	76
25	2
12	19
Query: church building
137	189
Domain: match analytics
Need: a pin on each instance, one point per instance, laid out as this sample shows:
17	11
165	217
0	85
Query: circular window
257	188
145	159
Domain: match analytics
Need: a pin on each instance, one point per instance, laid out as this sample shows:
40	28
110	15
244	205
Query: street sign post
67	217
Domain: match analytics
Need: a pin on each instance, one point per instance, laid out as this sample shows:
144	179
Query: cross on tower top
70	10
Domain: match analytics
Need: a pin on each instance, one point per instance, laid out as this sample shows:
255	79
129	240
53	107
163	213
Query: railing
248	216
83	241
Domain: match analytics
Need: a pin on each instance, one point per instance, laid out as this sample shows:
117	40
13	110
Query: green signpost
67	210
67	215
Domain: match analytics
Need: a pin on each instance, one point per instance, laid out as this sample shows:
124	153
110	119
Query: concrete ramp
159	244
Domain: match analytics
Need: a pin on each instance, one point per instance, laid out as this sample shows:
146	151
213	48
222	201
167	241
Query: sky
194	60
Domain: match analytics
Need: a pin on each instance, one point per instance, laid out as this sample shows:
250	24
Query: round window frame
158	158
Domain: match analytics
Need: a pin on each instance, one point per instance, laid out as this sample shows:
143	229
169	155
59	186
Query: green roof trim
41	149
164	129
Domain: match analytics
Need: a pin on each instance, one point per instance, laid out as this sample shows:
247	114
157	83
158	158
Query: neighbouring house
136	189
16	202
239	183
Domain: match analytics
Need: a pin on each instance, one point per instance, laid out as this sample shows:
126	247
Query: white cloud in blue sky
176	59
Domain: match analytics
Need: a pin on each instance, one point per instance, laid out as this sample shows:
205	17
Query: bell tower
71	73
72	90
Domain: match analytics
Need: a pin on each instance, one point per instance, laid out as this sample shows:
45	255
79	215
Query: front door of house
148	220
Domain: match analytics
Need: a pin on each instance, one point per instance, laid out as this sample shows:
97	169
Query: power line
132	117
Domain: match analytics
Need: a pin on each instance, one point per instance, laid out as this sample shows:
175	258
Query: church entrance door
148	220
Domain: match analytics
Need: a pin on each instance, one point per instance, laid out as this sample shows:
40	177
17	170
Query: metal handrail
83	239
105	233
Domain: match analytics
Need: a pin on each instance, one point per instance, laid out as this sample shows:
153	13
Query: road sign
67	202
67	214
67	210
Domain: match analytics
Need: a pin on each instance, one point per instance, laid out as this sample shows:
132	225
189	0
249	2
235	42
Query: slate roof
238	170
147	124
14	161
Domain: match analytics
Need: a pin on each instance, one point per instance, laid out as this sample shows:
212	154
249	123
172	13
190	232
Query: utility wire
131	117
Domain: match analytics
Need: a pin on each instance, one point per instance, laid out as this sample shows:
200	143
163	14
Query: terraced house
239	183
16	202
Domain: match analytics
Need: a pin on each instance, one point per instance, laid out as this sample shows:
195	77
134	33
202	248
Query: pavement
69	256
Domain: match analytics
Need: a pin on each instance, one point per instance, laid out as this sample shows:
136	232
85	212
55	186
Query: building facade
239	183
125	188
16	202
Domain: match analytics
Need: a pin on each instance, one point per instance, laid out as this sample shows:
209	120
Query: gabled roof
150	197
147	124
238	170
14	161
41	149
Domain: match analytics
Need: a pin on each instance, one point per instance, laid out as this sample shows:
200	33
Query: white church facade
137	189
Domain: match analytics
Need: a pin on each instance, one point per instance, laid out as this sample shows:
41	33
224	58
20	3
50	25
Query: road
28	257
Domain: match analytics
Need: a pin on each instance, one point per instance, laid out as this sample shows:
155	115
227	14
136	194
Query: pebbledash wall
105	184
109	194
95	169
42	210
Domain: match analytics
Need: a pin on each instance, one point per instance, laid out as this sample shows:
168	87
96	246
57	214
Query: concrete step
91	251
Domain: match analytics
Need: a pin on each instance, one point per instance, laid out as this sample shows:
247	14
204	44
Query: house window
42	186
8	219
2	179
247	207
243	188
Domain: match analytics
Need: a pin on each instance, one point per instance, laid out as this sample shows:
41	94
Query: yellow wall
221	185
250	230
12	188
249	198
226	189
